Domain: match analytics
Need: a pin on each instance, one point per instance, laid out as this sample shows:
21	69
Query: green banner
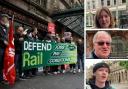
44	53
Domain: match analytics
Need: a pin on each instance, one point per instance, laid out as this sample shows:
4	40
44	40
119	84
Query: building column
122	76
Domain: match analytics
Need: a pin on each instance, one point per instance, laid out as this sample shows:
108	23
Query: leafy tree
124	64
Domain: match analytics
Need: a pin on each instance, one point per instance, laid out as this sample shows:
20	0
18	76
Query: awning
71	18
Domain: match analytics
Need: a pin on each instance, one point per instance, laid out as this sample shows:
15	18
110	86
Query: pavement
59	81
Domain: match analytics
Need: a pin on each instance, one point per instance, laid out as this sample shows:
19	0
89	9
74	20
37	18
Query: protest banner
37	54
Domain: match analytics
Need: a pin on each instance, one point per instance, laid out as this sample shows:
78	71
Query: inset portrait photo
102	74
107	44
106	14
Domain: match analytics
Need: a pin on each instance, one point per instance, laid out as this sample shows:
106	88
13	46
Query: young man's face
101	74
102	46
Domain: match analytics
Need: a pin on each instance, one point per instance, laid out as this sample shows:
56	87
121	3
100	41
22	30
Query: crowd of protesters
20	35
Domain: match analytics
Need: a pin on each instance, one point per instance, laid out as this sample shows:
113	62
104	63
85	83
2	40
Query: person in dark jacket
102	45
19	36
100	75
63	66
80	54
49	37
72	66
4	24
33	37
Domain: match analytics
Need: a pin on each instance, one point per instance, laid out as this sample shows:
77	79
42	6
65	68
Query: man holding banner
20	36
4	20
8	70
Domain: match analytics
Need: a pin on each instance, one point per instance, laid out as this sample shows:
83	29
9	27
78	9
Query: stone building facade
29	13
118	74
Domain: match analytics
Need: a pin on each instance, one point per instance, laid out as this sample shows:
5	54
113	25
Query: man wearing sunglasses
102	45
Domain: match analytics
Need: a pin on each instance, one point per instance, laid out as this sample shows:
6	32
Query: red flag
9	67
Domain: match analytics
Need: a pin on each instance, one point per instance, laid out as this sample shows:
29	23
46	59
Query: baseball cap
100	65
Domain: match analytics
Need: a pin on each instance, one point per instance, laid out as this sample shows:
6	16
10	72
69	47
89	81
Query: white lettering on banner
30	45
34	45
59	60
37	46
25	45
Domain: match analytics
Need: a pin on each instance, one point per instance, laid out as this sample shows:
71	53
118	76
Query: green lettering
33	60
39	57
26	57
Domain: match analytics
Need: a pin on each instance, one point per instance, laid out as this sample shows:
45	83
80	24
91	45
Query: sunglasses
102	43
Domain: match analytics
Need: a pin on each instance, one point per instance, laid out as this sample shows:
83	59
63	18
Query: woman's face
104	19
101	74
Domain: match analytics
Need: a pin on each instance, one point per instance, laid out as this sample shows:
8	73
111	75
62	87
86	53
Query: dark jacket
91	85
67	41
80	49
3	35
93	56
18	43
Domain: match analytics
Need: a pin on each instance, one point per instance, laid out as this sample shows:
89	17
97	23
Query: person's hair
97	16
17	27
33	29
101	32
101	65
